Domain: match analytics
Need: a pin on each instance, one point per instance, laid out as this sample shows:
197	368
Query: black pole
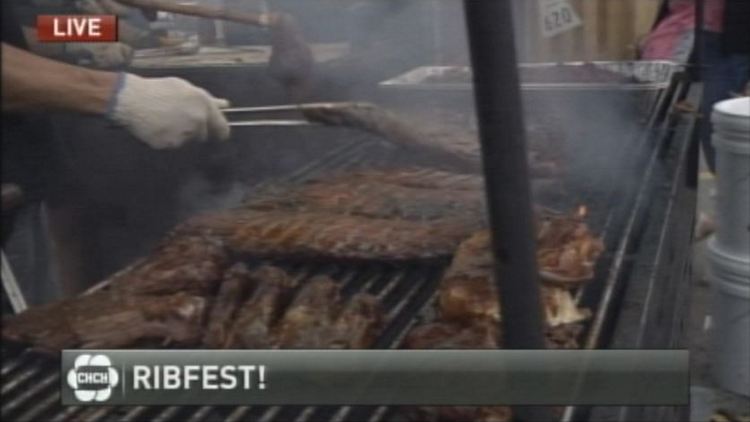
501	130
698	41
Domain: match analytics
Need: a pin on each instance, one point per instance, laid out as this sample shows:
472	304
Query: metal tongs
277	115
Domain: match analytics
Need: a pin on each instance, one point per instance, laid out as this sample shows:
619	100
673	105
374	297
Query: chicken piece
308	322
191	264
252	328
319	235
358	325
566	250
468	291
237	282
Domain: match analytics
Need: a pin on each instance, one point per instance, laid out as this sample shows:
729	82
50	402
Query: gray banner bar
375	377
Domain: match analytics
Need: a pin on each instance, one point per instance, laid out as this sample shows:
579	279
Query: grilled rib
192	264
358	325
372	198
308	321
319	235
252	328
237	282
106	320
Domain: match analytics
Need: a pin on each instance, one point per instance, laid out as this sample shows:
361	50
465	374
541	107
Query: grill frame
621	227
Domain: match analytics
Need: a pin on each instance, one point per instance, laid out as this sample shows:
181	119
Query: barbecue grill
627	219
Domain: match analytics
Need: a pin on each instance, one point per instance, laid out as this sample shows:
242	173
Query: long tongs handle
284	107
288	114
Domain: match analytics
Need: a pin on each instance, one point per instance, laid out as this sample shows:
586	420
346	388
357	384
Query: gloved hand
167	112
102	55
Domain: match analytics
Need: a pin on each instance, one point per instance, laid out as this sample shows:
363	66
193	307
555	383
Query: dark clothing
29	158
736	36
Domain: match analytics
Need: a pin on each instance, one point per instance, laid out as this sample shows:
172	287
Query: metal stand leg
10	286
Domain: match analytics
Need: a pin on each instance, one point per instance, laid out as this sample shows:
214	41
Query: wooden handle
257	19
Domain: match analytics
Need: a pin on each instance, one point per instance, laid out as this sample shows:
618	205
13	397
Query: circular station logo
92	378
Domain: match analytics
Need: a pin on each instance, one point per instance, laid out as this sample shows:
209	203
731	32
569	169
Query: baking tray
644	75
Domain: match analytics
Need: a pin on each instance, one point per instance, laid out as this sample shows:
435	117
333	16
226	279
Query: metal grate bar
237	414
202	413
44	406
96	413
28	394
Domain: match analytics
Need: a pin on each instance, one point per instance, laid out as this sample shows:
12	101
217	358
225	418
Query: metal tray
646	75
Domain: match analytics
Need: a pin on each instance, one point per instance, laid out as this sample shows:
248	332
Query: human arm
162	112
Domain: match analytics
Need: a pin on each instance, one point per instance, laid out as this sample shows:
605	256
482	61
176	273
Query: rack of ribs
238	280
256	317
319	235
423	178
317	318
192	264
105	320
308	320
375	199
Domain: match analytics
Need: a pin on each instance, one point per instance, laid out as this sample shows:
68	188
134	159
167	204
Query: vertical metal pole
698	44
501	130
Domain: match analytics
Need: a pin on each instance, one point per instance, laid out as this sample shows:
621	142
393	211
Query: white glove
104	55
167	112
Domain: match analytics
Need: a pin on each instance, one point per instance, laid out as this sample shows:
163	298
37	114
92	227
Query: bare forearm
33	83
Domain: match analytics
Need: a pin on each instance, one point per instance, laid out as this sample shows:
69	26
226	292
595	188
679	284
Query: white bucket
730	310
731	137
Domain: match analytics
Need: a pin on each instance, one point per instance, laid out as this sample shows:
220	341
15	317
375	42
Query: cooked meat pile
468	313
195	289
252	309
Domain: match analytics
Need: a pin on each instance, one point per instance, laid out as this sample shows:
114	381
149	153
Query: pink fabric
663	42
713	12
671	39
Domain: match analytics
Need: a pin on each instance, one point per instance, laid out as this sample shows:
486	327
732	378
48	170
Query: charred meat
566	250
192	264
237	282
106	320
358	325
252	328
372	198
467	291
320	235
308	321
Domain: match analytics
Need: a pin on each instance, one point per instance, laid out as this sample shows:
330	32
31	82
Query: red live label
72	28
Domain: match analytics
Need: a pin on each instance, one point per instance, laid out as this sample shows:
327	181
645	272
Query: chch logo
93	378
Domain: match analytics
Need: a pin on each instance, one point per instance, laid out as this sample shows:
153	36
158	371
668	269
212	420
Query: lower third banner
375	377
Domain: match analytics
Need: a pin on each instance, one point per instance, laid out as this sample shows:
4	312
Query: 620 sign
558	16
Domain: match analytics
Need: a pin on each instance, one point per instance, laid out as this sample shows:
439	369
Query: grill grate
30	383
